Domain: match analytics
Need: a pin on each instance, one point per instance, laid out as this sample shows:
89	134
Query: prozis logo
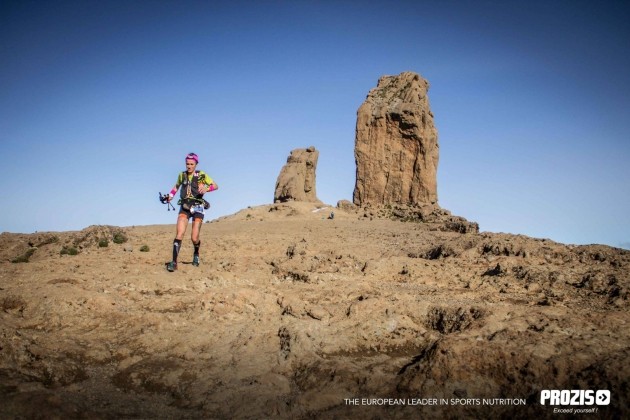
574	397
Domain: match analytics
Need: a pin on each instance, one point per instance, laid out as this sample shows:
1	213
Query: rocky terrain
304	311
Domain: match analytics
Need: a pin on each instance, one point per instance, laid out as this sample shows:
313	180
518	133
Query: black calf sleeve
177	243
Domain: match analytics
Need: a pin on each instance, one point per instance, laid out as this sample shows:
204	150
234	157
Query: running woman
194	185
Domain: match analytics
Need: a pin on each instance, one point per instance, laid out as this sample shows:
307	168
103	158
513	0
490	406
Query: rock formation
296	181
396	147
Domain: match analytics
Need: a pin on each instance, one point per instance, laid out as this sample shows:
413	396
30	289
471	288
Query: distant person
194	185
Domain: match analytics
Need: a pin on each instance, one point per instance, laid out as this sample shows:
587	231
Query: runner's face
190	165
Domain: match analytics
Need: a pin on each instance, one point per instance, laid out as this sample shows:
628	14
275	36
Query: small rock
534	288
316	313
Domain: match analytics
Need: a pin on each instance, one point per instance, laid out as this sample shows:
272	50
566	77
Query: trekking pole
164	200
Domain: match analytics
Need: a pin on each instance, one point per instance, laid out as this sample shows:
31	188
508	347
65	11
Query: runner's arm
207	184
175	188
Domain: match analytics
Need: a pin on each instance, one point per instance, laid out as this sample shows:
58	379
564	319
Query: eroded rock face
396	146
296	181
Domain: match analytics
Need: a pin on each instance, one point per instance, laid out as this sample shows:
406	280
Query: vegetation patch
24	257
69	250
120	238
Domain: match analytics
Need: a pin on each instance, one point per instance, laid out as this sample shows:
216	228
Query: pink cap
192	156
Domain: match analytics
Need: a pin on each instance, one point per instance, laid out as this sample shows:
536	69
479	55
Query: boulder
396	144
296	181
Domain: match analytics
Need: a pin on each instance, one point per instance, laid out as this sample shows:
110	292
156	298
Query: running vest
190	188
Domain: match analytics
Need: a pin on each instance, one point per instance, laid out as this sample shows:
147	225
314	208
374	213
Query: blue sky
101	100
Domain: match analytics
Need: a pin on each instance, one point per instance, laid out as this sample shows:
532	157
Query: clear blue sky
101	100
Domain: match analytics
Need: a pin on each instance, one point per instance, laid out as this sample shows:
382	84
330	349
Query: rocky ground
296	315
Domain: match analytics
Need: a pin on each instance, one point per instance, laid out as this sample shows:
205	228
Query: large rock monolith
296	181
396	144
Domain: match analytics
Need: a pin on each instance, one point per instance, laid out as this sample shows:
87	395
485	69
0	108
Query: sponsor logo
574	397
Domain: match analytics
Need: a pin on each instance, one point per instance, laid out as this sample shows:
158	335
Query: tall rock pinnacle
296	181
396	146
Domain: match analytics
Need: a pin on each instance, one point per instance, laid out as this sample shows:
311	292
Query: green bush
24	257
144	248
119	238
103	243
69	250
